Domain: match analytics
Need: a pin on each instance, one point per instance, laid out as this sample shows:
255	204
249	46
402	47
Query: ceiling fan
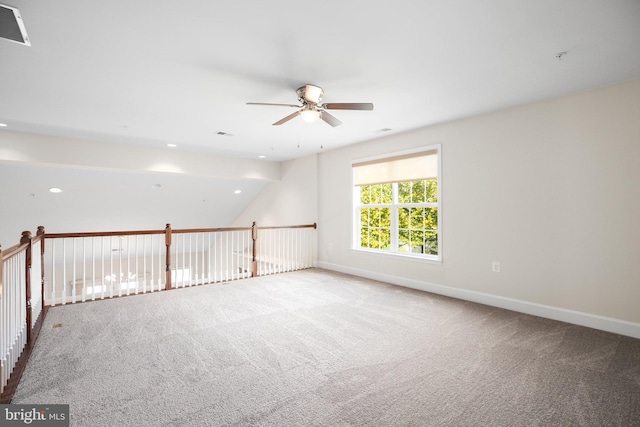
312	108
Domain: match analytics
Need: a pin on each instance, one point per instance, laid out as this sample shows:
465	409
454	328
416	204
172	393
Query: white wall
293	200
550	190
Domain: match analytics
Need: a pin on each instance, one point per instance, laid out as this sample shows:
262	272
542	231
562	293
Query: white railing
20	300
14	314
88	266
55	269
219	255
81	268
282	249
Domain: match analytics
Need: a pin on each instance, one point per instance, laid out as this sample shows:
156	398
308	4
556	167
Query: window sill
430	259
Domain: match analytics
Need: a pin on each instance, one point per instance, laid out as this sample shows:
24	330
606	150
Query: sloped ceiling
102	200
156	72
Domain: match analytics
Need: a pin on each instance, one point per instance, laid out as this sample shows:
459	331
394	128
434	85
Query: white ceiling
101	200
156	72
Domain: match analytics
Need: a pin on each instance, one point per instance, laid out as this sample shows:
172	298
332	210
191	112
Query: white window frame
356	239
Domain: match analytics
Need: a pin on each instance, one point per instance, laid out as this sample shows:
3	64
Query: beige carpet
315	348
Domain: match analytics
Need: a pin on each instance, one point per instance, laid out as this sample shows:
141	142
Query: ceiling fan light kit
312	108
309	115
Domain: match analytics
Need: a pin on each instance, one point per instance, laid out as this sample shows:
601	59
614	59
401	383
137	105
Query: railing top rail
210	230
14	250
314	226
103	233
163	231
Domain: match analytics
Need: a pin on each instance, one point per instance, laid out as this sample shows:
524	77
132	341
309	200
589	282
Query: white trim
355	195
403	255
594	321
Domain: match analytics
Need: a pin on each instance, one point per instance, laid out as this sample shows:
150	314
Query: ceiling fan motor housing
310	94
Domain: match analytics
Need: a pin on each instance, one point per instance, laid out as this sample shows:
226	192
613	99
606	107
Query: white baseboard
594	321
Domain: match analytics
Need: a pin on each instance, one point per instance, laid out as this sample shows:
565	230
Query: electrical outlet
495	266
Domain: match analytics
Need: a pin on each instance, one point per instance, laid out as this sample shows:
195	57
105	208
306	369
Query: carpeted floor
316	348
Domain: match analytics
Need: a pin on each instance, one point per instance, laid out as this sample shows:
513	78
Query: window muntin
399	217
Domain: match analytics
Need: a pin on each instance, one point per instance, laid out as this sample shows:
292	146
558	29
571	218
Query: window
397	203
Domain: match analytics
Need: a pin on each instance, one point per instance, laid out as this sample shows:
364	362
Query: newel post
167	242
254	260
26	239
40	232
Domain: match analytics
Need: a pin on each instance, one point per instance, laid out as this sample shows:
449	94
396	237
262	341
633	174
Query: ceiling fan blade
330	119
286	119
348	106
278	105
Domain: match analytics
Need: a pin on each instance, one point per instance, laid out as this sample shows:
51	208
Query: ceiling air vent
11	25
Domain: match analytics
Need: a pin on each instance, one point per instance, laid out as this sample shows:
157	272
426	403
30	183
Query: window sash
394	222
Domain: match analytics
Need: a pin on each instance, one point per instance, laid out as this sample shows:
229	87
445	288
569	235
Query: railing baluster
202	251
73	287
53	274
93	269
127	252
183	238
119	266
64	272
236	238
232	256
228	256
152	270
144	264
285	249
195	271
298	252
103	285
136	271
208	257
280	258
215	258
84	274
111	275
178	266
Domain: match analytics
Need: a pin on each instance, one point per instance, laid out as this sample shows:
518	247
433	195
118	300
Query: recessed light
262	156
237	192
384	130
172	145
55	190
156	186
2	125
